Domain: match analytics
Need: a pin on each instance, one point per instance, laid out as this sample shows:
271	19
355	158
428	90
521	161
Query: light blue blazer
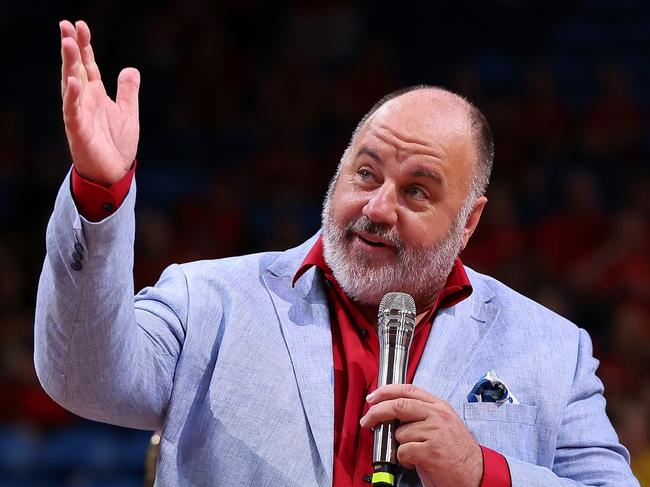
235	364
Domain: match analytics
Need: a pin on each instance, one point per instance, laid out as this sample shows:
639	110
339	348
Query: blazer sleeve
588	452
98	351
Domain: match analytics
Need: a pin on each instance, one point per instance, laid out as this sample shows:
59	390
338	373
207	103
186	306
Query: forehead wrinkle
408	144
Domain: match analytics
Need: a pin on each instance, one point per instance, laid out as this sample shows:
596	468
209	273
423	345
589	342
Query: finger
71	63
67	29
402	409
416	431
411	454
87	55
71	108
393	391
128	84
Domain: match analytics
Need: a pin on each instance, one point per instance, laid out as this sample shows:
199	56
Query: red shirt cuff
496	472
94	201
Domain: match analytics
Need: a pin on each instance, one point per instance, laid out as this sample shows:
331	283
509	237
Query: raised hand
102	133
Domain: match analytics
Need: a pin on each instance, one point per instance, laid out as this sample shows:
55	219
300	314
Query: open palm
102	133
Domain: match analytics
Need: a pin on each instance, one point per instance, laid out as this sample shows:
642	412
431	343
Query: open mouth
372	243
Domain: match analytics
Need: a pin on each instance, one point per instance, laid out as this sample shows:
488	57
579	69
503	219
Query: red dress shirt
355	348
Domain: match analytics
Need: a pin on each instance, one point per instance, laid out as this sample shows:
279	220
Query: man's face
397	216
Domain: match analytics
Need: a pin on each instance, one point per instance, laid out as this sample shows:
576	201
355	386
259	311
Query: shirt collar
456	289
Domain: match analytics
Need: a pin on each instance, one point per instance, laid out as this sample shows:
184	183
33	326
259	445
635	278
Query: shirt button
367	478
76	265
108	207
76	256
363	332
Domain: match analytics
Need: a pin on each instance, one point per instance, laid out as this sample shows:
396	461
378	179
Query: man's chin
366	260
367	283
369	263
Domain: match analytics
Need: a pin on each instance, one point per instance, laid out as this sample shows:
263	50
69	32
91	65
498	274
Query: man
256	368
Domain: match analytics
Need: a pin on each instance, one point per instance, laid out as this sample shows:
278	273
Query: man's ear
473	219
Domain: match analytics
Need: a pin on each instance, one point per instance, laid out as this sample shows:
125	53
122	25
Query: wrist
476	466
104	178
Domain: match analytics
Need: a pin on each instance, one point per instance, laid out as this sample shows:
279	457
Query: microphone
396	322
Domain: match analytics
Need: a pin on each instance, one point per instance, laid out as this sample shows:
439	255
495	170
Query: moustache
364	224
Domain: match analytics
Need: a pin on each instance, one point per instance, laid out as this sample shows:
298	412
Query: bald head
428	109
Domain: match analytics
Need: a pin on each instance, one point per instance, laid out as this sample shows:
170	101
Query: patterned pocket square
491	389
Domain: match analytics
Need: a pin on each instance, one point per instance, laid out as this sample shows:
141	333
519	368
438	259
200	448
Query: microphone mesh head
397	301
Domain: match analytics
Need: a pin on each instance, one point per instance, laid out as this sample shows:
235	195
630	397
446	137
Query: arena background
246	107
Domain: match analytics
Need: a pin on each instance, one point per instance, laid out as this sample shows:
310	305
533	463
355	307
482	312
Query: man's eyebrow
371	153
423	172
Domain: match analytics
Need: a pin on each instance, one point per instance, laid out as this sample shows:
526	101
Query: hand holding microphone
396	322
432	438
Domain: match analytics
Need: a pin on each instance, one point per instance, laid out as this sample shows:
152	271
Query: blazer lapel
456	335
304	318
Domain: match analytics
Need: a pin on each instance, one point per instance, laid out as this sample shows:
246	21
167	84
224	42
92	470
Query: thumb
128	83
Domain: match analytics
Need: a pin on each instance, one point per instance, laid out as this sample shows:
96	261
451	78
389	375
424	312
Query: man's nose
382	206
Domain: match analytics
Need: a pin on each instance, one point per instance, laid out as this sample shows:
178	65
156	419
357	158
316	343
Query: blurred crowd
246	107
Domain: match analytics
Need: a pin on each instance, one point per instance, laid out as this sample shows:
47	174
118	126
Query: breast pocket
509	429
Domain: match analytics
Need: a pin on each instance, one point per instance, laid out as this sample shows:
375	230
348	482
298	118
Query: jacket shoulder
520	310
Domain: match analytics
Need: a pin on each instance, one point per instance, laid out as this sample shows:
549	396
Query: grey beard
420	272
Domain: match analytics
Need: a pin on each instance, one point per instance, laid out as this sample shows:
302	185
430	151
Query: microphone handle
393	360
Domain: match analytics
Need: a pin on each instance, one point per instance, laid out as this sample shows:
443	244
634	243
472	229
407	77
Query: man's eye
416	192
364	174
